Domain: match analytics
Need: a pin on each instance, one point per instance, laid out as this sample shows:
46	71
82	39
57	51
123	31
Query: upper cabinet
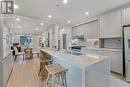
104	26
111	25
79	30
126	16
89	30
93	30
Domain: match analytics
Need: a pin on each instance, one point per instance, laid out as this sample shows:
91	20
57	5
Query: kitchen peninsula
86	70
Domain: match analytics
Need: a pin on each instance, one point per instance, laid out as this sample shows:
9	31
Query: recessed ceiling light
36	29
41	24
49	16
69	21
18	19
19	27
87	13
65	1
16	6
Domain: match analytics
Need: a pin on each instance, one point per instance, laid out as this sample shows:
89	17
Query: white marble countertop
81	61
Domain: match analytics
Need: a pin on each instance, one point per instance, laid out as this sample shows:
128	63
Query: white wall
35	39
6	46
1	53
16	38
6	59
53	34
56	34
52	37
1	38
68	32
7	62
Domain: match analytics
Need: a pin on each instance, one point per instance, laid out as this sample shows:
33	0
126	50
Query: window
26	41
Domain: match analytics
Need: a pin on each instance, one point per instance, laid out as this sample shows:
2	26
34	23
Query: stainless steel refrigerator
126	51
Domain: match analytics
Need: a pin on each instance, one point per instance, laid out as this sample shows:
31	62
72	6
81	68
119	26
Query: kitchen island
86	70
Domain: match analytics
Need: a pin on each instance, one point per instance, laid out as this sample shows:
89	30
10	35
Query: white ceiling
74	10
28	25
33	11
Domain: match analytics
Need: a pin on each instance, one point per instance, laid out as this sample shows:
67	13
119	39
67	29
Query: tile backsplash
112	43
93	43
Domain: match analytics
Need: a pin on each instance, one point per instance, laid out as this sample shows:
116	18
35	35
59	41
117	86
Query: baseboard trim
9	77
117	73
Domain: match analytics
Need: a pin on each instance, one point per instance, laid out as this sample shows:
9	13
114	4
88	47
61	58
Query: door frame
124	66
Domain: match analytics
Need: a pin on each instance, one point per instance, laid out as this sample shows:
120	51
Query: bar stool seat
42	71
56	75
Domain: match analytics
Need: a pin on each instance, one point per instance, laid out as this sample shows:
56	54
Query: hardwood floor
25	74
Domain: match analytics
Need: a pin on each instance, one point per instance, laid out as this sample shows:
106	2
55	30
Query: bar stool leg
65	83
63	79
23	57
54	81
49	78
60	79
42	74
47	82
40	70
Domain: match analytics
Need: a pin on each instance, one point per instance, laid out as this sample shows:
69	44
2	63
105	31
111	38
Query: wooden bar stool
28	53
42	71
56	75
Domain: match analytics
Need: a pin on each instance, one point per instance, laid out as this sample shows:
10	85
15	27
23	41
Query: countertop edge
104	49
72	62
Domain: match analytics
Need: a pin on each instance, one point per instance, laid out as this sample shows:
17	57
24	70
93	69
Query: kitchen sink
74	53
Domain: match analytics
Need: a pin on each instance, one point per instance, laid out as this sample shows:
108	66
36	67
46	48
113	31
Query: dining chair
18	53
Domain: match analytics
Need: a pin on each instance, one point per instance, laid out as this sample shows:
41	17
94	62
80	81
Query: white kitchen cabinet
79	30
98	51
115	25
116	61
126	16
104	26
90	30
111	25
93	30
116	58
